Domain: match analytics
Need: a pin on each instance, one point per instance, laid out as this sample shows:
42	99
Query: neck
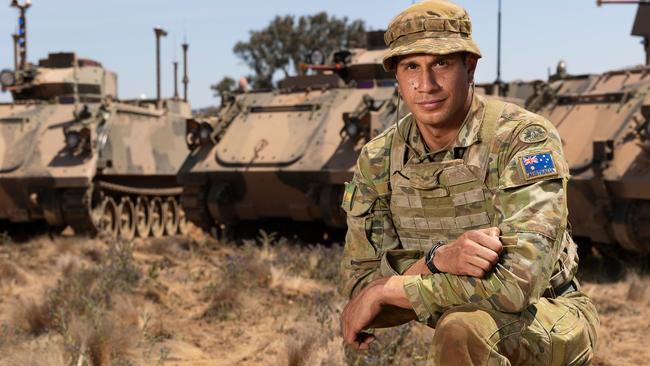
440	136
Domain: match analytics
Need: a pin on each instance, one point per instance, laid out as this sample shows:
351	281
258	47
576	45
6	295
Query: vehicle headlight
352	129
7	78
205	132
72	139
316	57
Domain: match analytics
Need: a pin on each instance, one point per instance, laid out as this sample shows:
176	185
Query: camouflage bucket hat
436	27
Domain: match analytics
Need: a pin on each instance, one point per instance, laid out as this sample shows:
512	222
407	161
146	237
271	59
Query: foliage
226	85
284	43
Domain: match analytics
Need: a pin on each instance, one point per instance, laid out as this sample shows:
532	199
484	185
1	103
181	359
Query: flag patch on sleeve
538	165
348	196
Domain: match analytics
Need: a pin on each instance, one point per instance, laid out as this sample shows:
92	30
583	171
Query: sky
118	33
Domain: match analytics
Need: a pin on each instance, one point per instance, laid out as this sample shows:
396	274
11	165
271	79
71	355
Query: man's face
435	88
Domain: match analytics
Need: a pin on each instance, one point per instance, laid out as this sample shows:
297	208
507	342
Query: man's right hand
473	254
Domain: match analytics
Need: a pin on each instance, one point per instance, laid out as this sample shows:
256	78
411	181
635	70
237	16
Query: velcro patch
538	165
533	134
348	196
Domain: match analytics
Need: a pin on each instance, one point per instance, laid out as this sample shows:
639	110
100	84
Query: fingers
488	255
491	242
474	271
363	340
491	231
479	264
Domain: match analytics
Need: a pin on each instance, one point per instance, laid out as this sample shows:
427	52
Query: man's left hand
365	310
359	313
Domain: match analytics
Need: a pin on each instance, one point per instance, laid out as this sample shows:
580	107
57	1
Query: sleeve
531	210
370	230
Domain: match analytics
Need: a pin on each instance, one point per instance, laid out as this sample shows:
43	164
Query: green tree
283	44
226	85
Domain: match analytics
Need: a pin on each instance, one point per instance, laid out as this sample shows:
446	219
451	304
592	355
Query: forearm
517	281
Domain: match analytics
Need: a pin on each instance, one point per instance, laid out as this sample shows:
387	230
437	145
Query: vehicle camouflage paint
287	153
72	153
604	121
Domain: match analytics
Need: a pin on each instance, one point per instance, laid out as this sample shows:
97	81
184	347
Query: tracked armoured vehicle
604	121
72	153
286	153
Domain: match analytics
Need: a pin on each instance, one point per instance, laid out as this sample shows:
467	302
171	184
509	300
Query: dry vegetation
195	301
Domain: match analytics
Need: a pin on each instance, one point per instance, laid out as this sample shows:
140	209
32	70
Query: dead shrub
637	288
223	302
87	308
9	272
33	317
299	350
109	338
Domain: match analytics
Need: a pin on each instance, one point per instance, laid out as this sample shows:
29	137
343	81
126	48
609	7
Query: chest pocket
437	201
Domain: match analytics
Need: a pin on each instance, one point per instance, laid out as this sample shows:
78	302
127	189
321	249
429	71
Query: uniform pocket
568	332
397	261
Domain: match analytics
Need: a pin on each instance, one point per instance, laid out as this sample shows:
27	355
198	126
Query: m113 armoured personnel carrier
287	153
604	121
72	153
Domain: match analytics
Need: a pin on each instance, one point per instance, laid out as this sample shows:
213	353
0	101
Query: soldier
457	216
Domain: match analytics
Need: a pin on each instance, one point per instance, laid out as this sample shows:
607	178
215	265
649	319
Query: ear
471	62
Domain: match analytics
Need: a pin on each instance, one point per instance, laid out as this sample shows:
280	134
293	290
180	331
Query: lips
429	105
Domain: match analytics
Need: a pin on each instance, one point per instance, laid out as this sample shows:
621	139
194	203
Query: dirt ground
264	301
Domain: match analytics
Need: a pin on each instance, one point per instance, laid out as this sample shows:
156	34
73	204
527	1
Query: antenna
498	80
159	33
20	40
186	79
175	79
640	27
15	38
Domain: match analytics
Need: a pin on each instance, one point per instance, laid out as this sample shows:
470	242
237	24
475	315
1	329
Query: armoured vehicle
604	121
287	153
72	153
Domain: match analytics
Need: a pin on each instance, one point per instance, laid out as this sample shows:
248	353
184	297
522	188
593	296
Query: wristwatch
428	258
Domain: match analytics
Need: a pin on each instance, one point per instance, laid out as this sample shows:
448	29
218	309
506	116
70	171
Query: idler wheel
127	219
106	219
158	217
142	216
171	216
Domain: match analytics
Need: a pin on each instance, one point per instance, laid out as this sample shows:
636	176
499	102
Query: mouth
429	105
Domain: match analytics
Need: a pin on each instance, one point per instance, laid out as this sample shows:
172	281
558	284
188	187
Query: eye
441	62
411	66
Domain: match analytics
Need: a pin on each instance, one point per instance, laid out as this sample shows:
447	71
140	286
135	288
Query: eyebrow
412	61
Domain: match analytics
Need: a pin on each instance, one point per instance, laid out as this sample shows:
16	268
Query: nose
426	82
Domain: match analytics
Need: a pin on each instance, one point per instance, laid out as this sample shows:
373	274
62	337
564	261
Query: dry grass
87	308
10	273
299	351
195	301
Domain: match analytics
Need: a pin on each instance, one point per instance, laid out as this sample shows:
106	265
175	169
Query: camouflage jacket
529	208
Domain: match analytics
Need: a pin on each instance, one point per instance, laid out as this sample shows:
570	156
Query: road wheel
127	219
143	217
171	216
183	224
158	216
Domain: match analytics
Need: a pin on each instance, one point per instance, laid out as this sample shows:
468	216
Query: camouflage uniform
505	168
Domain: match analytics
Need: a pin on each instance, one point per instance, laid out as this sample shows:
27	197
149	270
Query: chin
430	119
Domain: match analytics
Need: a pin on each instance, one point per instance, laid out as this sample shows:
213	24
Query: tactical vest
438	201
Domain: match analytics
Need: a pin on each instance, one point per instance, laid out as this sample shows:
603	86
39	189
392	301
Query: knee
464	327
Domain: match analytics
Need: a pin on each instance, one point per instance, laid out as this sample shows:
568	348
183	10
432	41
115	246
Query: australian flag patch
538	165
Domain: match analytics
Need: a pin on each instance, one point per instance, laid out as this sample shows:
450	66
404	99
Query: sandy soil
195	301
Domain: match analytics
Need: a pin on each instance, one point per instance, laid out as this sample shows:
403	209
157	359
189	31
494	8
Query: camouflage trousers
559	331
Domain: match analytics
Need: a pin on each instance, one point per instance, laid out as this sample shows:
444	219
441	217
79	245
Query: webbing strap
479	152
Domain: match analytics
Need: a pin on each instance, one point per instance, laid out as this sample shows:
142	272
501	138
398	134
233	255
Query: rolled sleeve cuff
412	288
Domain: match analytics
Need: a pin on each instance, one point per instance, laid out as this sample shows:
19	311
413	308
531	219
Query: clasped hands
474	254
